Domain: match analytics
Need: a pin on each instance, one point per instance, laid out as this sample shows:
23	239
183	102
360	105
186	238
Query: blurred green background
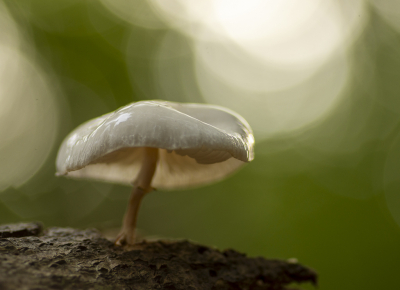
318	81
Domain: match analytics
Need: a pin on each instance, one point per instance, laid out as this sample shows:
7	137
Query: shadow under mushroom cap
198	144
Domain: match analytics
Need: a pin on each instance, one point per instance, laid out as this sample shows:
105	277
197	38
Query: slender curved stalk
141	186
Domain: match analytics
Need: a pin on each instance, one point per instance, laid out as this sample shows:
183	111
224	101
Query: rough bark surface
64	258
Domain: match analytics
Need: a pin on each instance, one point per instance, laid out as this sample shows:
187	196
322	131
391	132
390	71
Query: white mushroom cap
197	144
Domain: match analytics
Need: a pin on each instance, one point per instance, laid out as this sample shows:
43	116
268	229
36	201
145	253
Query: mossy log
65	258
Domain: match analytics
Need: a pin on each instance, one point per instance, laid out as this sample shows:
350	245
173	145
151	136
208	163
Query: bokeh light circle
272	113
28	111
282	65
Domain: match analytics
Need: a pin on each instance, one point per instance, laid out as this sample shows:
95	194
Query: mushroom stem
141	186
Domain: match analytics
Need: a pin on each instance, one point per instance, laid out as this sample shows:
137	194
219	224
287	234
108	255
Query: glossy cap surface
198	144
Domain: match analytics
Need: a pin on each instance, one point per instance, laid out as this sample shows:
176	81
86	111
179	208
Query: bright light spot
28	113
257	19
283	65
289	31
122	118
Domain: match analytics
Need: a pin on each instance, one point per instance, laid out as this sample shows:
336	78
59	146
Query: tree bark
65	258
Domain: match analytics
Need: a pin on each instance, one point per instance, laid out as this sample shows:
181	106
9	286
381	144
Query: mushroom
165	145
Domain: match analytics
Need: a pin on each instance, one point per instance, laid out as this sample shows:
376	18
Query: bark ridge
65	258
